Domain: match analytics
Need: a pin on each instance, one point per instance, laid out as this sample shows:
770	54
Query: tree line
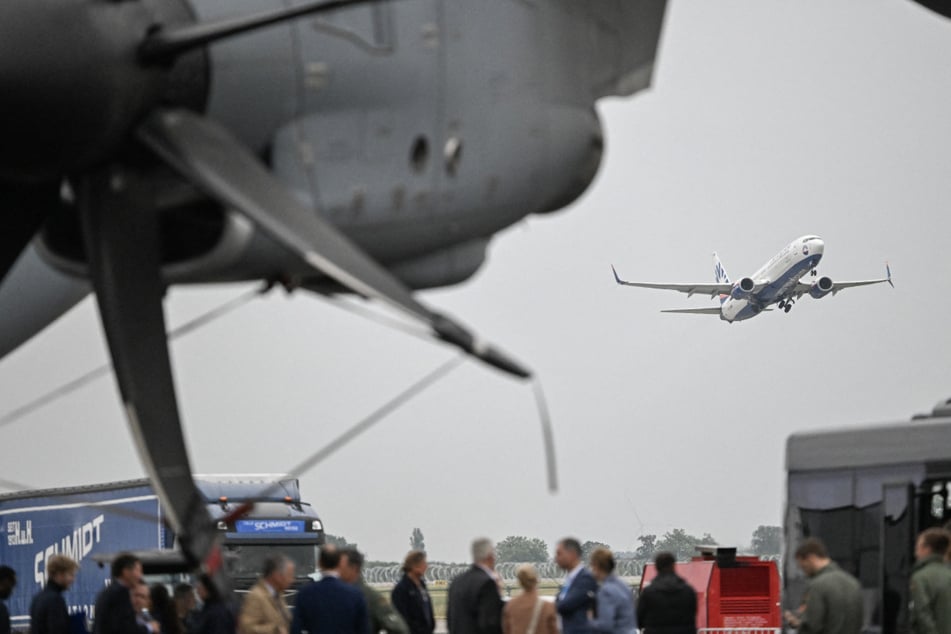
766	541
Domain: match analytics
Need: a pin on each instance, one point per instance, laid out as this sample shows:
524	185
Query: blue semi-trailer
88	523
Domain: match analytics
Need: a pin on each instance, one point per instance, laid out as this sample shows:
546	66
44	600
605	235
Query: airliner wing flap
802	288
694	311
843	285
690	289
702	288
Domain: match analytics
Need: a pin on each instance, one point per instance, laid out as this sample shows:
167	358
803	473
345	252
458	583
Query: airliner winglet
616	278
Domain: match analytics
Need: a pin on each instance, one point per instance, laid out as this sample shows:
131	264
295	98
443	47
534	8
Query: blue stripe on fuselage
779	288
750	310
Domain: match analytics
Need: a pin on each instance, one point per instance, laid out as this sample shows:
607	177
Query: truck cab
279	522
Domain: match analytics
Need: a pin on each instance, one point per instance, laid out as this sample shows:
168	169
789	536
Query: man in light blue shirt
615	613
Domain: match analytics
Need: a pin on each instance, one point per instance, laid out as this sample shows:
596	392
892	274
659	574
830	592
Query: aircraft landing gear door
897	557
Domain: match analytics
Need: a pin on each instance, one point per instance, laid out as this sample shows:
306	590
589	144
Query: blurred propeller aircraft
371	147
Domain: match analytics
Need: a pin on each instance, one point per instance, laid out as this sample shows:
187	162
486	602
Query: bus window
940	502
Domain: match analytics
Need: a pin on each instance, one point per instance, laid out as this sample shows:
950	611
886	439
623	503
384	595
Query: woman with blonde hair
529	613
48	612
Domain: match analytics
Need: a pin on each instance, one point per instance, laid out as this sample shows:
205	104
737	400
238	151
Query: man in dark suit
475	602
577	596
8	581
114	611
330	606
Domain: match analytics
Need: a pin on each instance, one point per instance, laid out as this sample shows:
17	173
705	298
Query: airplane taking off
778	282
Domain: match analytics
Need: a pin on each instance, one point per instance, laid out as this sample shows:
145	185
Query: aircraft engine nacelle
743	288
203	243
821	288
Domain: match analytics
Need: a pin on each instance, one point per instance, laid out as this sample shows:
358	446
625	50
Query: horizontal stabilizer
714	310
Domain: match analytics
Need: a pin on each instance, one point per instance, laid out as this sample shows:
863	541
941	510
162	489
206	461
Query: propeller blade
164	45
548	437
942	7
211	159
122	241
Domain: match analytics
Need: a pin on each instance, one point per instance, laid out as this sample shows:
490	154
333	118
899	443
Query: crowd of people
833	602
591	599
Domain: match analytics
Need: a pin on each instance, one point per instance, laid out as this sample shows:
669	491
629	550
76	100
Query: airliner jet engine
821	288
743	288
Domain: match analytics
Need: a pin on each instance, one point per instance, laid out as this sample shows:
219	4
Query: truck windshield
247	560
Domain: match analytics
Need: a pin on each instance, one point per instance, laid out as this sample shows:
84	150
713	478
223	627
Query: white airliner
778	282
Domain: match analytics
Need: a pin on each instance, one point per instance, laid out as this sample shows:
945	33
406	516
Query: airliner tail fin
720	274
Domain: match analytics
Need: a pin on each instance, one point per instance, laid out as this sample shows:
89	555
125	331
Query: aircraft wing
713	310
619	40
700	288
803	288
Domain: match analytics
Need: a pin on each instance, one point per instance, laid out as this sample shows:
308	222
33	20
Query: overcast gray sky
767	120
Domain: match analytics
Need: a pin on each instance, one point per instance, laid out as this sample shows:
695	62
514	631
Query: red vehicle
732	592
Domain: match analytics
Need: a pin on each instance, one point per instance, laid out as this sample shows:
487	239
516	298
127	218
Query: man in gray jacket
833	600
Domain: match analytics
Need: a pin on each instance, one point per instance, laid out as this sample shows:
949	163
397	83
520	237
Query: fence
739	630
447	572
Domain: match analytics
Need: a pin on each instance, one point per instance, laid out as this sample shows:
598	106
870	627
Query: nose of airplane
816	245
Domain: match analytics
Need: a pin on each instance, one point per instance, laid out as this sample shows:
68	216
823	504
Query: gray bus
867	492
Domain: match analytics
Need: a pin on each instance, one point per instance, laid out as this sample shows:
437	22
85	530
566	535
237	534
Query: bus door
898	532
